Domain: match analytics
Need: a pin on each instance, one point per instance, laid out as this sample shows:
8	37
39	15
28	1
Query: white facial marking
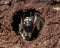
23	36
27	19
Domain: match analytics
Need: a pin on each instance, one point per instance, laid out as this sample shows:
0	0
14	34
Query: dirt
48	37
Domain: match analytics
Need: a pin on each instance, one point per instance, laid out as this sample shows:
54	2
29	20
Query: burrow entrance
17	19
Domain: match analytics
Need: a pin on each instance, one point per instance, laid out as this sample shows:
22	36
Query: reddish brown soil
49	36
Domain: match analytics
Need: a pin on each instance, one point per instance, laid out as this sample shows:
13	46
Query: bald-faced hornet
27	26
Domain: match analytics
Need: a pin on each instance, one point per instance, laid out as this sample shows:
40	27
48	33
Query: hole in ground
17	19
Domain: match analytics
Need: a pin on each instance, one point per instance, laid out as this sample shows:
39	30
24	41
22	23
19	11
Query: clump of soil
49	36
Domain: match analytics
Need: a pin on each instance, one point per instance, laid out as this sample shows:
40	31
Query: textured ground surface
49	36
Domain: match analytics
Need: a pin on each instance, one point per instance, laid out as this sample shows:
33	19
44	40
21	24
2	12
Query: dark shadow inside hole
34	34
16	20
30	12
10	3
